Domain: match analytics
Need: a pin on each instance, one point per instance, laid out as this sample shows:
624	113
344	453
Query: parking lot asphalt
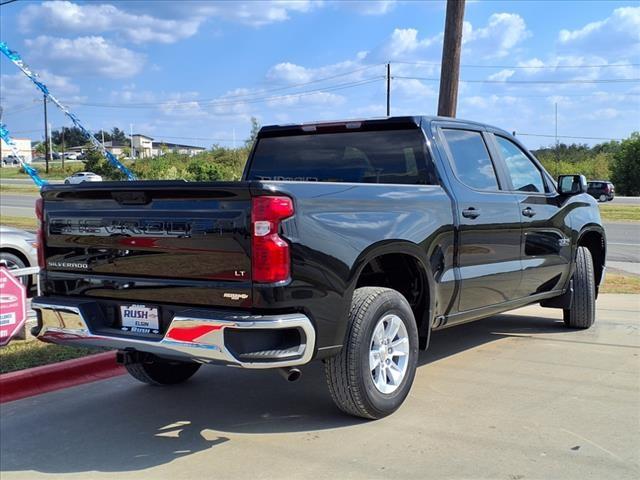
516	396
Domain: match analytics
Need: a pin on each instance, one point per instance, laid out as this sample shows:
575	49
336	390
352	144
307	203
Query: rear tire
603	198
582	313
157	371
374	371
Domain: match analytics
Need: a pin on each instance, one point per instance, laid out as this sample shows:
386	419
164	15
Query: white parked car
18	249
80	177
70	155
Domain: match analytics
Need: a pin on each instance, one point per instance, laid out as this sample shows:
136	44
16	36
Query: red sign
13	306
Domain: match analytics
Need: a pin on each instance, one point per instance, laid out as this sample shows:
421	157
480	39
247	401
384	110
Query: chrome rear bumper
196	335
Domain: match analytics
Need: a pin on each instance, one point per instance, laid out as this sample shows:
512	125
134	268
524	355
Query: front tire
374	371
603	198
582	313
157	371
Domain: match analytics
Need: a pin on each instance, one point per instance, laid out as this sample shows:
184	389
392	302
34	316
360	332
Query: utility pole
50	144
388	89
450	68
1	110
131	136
63	147
557	152
47	150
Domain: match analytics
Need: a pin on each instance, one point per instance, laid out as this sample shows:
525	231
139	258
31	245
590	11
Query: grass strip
619	283
23	223
626	213
21	354
20	189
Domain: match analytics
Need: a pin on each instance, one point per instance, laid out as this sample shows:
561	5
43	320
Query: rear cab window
384	156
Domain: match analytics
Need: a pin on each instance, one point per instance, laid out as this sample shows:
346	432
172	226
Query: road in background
17	205
623	246
23	182
509	397
625	201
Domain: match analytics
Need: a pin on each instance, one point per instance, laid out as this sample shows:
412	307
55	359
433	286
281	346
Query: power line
608	80
222	103
7	2
24	108
570	95
528	67
236	96
568	136
25	131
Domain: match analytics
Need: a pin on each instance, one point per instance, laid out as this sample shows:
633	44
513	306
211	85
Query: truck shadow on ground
120	425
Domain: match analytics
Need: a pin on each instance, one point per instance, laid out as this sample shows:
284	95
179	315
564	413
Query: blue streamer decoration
17	60
33	173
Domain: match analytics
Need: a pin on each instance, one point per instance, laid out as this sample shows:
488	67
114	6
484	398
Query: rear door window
386	156
471	160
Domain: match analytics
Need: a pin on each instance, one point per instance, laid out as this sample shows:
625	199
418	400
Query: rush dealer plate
140	319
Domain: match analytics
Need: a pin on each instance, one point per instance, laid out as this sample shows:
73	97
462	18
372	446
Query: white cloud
289	73
368	7
17	89
312	99
502	75
255	13
142	22
503	32
577	67
86	56
404	45
345	71
618	34
72	18
412	88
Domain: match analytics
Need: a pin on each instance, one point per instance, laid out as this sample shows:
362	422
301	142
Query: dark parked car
601	190
11	160
348	242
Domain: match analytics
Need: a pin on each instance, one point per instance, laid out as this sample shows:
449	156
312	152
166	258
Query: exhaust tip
291	374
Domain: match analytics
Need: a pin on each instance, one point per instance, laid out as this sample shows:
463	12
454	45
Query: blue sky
195	72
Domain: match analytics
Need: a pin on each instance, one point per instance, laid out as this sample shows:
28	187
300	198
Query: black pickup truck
348	242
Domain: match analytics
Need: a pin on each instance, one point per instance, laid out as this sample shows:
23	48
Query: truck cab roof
378	123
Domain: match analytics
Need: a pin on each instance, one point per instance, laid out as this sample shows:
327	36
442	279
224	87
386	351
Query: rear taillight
40	234
270	260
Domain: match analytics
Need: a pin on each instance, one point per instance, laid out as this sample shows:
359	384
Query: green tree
626	166
102	134
255	128
73	137
118	135
97	163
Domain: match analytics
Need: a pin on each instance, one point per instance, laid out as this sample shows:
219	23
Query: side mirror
572	184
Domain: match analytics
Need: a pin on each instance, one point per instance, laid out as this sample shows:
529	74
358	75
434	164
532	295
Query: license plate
140	318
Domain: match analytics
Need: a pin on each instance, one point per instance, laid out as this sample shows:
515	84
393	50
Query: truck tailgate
155	241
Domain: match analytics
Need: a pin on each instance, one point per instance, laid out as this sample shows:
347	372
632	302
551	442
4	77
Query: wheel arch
595	240
383	263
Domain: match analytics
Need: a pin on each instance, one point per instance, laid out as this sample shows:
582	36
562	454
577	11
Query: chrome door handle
471	212
528	212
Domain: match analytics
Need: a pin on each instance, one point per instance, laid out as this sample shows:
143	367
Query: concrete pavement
516	396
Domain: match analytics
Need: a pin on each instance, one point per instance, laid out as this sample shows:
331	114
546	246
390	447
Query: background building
24	147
